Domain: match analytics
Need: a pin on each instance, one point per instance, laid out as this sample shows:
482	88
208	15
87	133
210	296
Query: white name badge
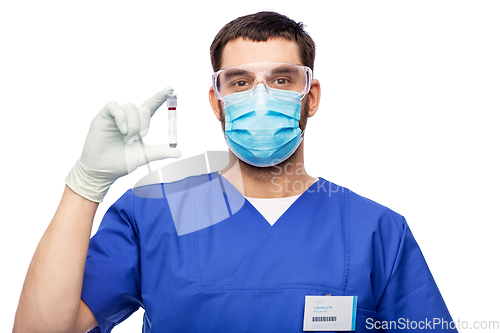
330	313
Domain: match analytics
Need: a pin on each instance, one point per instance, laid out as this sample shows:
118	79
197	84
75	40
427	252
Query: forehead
243	51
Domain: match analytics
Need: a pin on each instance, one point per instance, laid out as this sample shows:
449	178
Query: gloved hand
114	147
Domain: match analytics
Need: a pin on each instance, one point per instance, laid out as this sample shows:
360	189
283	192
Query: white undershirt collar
272	208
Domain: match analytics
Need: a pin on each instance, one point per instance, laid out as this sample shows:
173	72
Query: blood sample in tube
172	120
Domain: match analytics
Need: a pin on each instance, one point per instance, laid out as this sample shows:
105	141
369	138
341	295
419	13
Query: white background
408	116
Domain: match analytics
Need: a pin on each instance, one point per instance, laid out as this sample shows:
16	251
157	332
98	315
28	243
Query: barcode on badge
324	318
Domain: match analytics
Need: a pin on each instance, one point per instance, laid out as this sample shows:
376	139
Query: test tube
172	120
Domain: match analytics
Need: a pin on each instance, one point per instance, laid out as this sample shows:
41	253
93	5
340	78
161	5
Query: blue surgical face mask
262	127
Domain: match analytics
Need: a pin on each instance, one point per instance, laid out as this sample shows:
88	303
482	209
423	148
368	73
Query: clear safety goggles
273	75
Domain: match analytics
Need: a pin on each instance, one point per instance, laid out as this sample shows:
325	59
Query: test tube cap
172	101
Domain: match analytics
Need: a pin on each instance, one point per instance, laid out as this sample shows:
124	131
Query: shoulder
183	206
156	190
365	213
184	193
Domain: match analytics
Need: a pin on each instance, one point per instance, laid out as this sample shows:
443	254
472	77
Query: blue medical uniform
192	272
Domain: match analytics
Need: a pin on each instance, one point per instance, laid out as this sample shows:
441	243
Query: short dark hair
259	27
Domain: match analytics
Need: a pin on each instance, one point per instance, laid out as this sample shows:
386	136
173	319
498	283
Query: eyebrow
235	72
232	72
284	69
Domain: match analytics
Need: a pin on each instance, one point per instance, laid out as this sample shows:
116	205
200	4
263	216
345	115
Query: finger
160	152
113	110
157	99
145	117
133	122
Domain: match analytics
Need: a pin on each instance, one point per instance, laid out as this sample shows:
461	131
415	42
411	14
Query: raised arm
51	297
50	300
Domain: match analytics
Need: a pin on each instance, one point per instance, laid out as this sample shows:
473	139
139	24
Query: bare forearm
52	289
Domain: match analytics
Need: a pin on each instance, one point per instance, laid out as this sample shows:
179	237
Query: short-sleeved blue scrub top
198	257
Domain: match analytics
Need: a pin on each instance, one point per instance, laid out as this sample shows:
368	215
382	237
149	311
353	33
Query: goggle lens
282	76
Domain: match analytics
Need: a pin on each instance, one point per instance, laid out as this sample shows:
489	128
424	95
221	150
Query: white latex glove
114	147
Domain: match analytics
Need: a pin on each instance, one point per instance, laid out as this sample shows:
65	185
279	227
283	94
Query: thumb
157	99
159	152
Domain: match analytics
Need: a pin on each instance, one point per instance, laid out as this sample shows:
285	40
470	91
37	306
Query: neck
286	179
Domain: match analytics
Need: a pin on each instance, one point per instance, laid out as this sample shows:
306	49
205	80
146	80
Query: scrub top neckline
272	208
291	207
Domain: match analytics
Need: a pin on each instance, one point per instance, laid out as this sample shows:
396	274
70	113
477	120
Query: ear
214	102
314	97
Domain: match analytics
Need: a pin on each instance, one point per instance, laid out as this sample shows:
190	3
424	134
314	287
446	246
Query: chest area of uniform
305	247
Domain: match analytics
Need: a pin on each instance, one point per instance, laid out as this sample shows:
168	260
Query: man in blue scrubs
241	250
